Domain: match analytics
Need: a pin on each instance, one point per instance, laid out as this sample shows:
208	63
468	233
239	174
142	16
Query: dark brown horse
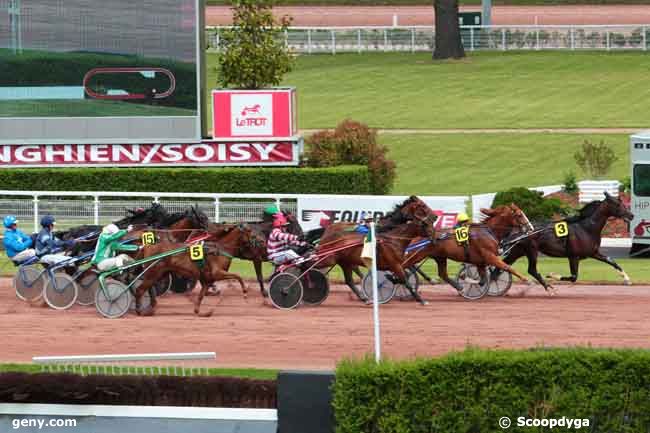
581	241
410	219
218	251
483	247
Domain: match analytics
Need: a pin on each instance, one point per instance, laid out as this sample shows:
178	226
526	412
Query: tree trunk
448	42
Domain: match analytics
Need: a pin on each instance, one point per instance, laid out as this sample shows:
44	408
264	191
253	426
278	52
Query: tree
253	52
595	159
448	42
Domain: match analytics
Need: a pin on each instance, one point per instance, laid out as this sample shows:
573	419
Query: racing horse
408	220
483	244
575	237
219	249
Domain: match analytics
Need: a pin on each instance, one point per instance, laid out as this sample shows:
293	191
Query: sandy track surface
249	334
423	15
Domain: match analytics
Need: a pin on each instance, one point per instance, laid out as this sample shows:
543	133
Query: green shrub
471	391
352	143
595	159
570	183
330	180
532	203
626	184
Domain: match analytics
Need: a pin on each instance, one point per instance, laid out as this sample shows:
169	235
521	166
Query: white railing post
216	210
286	38
385	40
333	41
503	39
572	39
412	40
643	29
607	39
96	211
471	38
375	294
218	41
537	38
35	214
359	41
309	48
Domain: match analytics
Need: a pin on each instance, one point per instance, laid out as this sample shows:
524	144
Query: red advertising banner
206	153
254	114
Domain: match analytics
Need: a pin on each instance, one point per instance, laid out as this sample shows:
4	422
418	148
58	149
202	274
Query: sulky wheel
401	292
285	291
29	282
113	300
87	287
500	281
385	287
315	287
60	291
468	278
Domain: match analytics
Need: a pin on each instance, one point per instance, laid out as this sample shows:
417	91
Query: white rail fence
332	40
185	364
73	208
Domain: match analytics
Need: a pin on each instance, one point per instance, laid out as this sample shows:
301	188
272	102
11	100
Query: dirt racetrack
247	334
423	15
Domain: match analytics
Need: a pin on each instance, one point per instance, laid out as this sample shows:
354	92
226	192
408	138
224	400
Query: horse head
199	219
416	209
502	219
615	208
294	225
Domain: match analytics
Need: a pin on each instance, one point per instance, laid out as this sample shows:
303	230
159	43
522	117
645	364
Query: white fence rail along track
332	40
119	364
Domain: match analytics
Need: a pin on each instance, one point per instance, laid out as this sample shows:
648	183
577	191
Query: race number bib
148	238
462	234
196	252
561	229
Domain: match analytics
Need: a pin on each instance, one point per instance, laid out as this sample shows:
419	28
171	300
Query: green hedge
471	391
331	180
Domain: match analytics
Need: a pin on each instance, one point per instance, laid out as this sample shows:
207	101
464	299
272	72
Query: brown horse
483	248
410	219
219	251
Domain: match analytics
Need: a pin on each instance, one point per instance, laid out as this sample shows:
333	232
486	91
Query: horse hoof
206	314
425	302
627	282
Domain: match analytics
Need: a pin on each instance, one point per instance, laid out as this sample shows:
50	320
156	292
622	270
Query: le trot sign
268	114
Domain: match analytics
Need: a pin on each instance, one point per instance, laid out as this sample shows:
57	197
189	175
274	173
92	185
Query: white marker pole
375	295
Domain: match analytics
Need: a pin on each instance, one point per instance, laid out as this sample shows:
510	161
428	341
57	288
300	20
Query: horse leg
400	276
442	273
482	274
358	272
260	278
496	261
199	299
349	280
146	285
573	266
532	266
600	257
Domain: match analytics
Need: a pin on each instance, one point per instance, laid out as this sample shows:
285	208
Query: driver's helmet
110	229
279	220
48	220
9	220
462	218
